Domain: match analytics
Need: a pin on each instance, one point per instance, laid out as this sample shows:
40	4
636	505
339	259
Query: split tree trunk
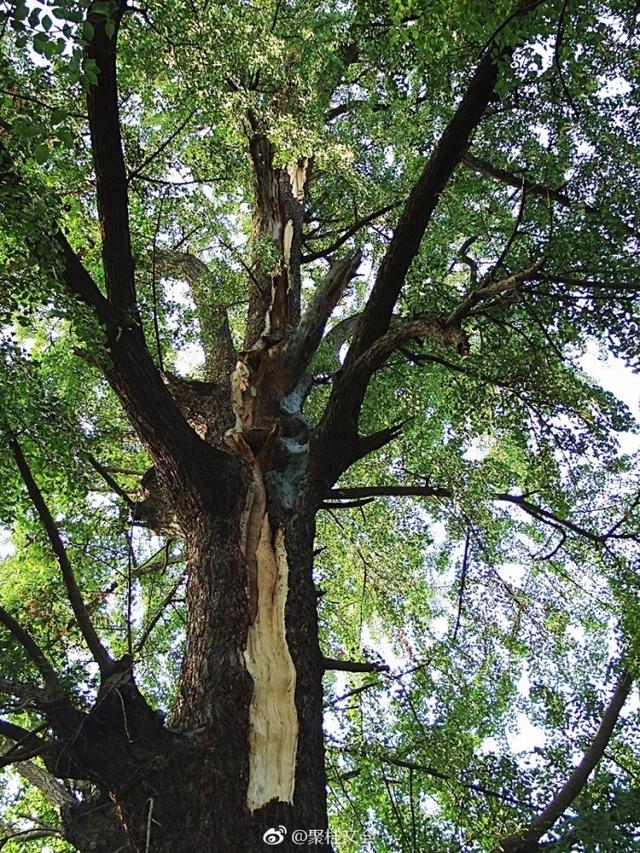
242	751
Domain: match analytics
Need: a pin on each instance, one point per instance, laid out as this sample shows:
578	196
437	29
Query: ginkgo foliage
316	531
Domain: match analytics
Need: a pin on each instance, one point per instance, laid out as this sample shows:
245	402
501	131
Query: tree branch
490	289
41	779
27	744
108	161
357	226
424	198
300	349
538	512
163	145
100	654
35	653
534	188
527	839
390	491
26	835
29	694
353	666
219	351
109	480
338	427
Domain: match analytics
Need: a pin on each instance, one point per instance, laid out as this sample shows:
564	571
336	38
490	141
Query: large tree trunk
198	782
242	752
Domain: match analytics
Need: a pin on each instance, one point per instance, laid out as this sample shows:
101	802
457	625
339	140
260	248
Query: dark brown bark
189	782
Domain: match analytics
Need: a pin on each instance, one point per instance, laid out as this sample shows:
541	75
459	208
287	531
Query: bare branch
353	666
111	482
300	349
163	145
100	654
34	652
350	232
526	840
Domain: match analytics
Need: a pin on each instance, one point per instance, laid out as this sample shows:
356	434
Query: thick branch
526	841
100	654
490	290
108	161
369	347
27	744
34	652
29	694
424	198
299	351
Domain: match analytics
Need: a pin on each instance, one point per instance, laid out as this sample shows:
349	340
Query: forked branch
425	195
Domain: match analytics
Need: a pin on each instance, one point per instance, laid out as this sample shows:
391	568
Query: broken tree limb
301	348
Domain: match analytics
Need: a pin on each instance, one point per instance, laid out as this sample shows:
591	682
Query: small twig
463	579
149	817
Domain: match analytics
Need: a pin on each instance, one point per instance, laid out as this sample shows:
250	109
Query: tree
391	230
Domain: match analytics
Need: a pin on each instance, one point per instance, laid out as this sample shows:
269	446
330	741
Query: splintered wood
273	718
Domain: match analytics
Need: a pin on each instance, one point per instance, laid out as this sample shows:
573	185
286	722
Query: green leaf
41	153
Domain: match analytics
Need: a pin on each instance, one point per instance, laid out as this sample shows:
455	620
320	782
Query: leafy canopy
508	591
